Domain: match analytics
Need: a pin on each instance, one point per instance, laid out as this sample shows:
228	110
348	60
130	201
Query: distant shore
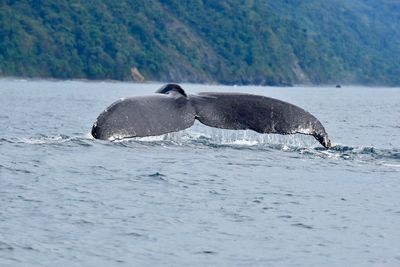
331	85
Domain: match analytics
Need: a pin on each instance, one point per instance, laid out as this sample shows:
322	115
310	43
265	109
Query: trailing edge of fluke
172	110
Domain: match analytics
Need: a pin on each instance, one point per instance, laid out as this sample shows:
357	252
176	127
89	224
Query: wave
223	139
48	140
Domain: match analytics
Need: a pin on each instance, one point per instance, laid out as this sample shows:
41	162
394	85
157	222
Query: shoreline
332	85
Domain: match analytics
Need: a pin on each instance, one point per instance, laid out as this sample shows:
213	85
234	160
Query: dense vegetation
235	41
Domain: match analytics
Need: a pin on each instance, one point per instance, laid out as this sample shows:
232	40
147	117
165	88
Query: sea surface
200	197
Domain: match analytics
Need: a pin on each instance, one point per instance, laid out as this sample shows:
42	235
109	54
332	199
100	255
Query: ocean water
202	196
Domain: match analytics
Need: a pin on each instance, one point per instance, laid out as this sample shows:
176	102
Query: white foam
241	142
44	140
391	165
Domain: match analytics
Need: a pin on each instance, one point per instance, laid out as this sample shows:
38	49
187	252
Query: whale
171	109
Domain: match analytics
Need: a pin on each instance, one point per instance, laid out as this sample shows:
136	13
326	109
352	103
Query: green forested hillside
235	41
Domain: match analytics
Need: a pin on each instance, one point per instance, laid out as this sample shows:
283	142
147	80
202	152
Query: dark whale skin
172	110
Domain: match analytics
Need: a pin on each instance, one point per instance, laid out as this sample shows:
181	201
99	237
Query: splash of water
218	138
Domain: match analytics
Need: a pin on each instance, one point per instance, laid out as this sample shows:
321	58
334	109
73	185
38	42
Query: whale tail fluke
259	113
171	110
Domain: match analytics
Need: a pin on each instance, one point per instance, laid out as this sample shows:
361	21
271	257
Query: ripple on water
5	246
207	252
158	176
246	141
302	225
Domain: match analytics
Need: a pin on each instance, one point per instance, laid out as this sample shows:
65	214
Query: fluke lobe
172	110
